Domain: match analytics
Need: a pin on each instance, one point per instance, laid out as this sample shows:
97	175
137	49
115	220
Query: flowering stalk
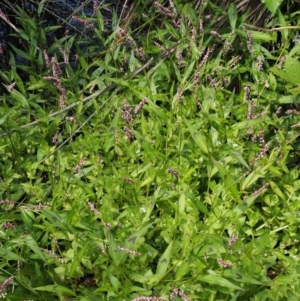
79	165
4	285
140	106
224	264
173	172
131	252
92	207
178	292
52	254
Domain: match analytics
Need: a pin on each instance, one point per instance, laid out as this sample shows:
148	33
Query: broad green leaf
232	14
111	132
31	243
251	178
242	207
277	190
41	6
27	217
114	282
56	289
4	116
114	252
148	180
131	242
19	97
182	270
294	91
217	280
283	24
198	137
239	276
281	256
6	254
164	261
272	5
55	219
287	279
291	72
236	155
260	36
21	53
188	72
157	110
284	75
77	259
246	124
229	182
138	234
118	81
292	68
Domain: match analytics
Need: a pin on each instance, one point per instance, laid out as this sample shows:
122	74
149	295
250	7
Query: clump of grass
168	172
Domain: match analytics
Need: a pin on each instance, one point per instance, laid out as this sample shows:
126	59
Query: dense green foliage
164	166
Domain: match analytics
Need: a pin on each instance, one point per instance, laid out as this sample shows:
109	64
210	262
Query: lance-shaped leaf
164	261
198	137
217	280
114	251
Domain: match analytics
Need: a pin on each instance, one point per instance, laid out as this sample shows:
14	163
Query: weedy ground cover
162	166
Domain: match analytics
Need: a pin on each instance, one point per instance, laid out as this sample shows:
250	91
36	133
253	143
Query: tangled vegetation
162	165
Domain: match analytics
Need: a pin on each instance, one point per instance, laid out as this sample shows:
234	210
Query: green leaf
20	52
272	5
239	276
288	279
182	270
77	260
277	190
19	97
6	254
27	217
137	235
188	72
114	252
4	116
229	182
242	207
292	68
31	243
55	219
246	124
258	35
217	280
198	137
114	282
232	14
56	289
164	261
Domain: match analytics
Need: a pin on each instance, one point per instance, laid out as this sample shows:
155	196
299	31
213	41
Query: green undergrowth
164	167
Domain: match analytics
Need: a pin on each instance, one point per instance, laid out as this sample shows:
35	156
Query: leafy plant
159	166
